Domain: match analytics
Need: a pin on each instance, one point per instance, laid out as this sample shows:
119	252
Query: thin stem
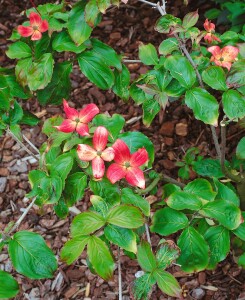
9	132
131	61
149	3
119	276
172	180
147	234
17	224
34	5
215	139
30	143
150	186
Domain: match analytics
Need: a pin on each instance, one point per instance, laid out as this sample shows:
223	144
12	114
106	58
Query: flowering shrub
206	212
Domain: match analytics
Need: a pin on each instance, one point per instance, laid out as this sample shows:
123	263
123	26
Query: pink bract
223	57
99	153
210	28
127	165
78	120
37	26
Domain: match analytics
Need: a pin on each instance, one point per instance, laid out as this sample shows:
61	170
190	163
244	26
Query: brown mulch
172	132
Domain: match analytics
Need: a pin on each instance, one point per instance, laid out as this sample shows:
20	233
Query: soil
172	132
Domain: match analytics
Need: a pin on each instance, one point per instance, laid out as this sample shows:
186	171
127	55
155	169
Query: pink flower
223	57
37	26
98	154
127	165
210	28
78	121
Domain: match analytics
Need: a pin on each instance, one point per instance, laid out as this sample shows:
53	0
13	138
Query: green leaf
218	239
194	251
240	150
29	119
100	205
148	54
91	12
73	249
62	166
9	287
142	286
167	283
43	45
40	72
100	257
208	167
4	94
225	193
59	87
16	130
233	104
15	114
236	77
166	23
31	256
241	260
121	85
15	89
61	209
240	230
167	221
93	67
129	197
123	237
215	77
113	124
145	257
86	223
203	104
19	50
103	5
63	42
167	253
184	200
150	109
136	140
168	46
22	69
190	19
201	188
74	187
169	189
78	29
125	216
106	53
181	69
227	214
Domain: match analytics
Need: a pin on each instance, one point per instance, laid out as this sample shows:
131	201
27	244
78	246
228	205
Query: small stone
21	193
167	129
3	257
202	277
34	294
198	294
168	164
20	167
181	129
115	35
4	172
3	183
168	141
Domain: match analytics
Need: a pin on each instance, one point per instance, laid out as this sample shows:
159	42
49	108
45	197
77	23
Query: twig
30	143
132	61
9	132
215	139
147	234
119	276
18	222
148	2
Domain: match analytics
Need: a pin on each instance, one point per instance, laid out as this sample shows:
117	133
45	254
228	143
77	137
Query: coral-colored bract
223	57
99	153
210	28
37	26
127	165
78	120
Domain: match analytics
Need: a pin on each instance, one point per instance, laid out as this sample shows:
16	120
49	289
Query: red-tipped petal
36	35
135	177
88	113
226	64
82	129
229	53
122	153
35	19
25	31
139	158
43	26
85	152
115	172
209	26
98	167
71	113
215	50
100	138
108	154
66	126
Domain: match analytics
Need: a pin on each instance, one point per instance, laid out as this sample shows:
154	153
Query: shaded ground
123	29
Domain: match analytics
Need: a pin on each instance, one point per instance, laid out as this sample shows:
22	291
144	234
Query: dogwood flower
210	28
223	57
37	26
99	153
78	120
127	165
